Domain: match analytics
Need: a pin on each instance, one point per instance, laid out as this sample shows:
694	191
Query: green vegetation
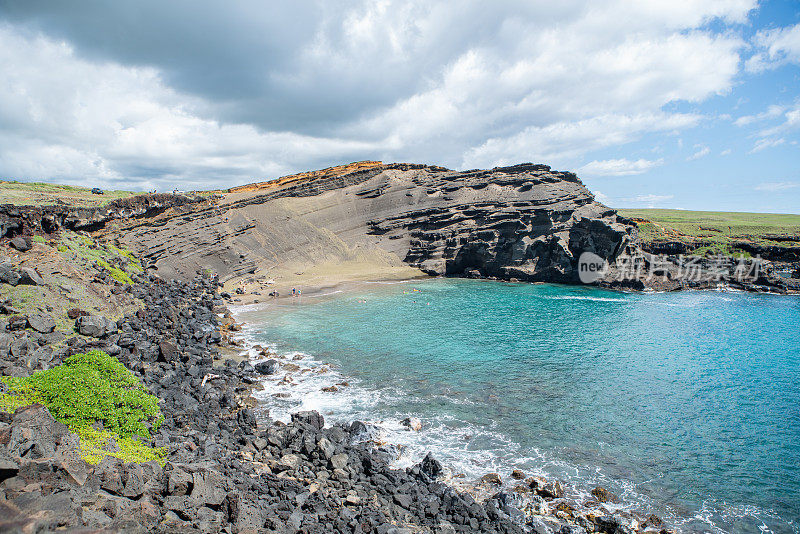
40	193
37	239
119	262
716	232
89	388
116	273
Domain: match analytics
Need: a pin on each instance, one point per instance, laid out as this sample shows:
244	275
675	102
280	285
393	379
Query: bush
87	388
116	273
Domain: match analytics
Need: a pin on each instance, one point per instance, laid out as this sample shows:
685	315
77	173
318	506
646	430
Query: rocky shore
228	467
69	285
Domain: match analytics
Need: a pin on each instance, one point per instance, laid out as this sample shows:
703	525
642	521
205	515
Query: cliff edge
525	222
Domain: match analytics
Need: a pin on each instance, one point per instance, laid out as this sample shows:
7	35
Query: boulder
603	495
269	367
8	274
431	466
95	325
18	322
209	487
5	344
35	434
74	313
288	462
412	423
339	461
179	482
23	244
169	351
109	473
326	448
551	490
310	418
491	478
29	276
42	322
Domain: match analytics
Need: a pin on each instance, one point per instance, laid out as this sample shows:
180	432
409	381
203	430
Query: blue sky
717	164
692	104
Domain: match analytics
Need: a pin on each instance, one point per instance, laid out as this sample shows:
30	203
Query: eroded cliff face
524	222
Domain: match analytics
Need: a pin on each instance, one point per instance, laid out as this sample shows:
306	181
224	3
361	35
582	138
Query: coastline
299	379
391	429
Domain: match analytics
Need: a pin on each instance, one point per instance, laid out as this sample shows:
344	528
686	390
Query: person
294	292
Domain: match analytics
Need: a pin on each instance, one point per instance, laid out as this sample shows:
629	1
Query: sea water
685	404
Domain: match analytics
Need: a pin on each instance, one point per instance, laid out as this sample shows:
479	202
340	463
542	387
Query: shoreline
471	485
249	301
531	490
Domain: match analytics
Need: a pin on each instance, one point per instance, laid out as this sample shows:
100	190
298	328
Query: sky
692	104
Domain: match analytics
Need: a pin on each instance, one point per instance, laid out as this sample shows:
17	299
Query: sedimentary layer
526	222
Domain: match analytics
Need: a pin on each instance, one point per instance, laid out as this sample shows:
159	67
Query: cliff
368	220
524	222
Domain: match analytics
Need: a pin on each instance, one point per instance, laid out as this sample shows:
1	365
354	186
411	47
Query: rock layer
526	222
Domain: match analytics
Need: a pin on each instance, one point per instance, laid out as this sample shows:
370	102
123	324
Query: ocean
685	404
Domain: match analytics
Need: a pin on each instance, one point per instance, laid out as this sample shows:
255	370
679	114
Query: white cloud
761	144
618	167
773	136
771	112
650	200
776	186
601	197
726	152
67	119
775	47
565	141
702	151
464	85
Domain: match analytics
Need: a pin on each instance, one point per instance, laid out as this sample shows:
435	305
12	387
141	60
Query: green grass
715	231
89	388
120	263
41	193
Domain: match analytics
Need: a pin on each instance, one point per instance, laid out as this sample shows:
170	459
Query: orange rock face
299	177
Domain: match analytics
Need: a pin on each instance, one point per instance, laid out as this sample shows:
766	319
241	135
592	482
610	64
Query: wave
582	297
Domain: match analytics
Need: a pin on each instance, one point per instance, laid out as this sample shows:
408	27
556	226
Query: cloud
771	112
775	47
702	152
214	94
774	135
726	152
650	200
71	120
601	197
618	167
761	144
776	186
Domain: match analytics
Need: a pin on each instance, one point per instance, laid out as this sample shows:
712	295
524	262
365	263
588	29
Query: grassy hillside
38	193
716	230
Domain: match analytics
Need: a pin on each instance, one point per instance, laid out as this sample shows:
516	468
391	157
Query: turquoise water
687	404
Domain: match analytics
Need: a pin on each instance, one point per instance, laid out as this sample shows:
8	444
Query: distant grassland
715	230
38	193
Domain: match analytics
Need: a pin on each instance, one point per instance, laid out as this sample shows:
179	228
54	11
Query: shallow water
686	404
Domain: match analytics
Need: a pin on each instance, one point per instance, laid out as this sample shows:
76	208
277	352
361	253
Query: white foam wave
582	297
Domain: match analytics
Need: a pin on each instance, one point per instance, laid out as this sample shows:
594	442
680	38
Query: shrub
87	388
95	444
116	273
